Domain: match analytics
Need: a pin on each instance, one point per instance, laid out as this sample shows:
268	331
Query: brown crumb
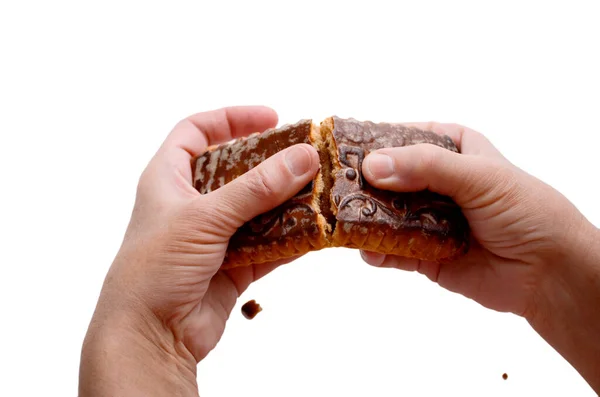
505	376
251	309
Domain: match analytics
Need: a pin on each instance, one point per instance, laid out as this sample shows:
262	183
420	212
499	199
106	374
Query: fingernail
298	160
372	258
380	166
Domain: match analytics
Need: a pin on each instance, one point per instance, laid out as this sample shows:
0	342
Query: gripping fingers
266	186
429	269
423	166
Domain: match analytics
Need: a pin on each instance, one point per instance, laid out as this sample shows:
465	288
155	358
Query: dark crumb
504	376
251	309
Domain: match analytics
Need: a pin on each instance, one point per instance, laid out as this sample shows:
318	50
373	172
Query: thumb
469	180
266	186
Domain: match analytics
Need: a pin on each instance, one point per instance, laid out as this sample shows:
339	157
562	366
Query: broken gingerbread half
338	208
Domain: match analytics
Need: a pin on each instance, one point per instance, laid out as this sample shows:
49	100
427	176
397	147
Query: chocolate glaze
358	204
222	164
362	137
424	225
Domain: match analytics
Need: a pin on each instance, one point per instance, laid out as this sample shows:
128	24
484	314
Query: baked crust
293	228
421	225
338	208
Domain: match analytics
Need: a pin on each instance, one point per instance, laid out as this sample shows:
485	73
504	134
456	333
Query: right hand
524	232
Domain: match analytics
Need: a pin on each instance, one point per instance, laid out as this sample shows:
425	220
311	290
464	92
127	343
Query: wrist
565	308
130	352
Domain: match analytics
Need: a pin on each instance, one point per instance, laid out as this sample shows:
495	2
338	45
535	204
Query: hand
533	253
165	302
517	222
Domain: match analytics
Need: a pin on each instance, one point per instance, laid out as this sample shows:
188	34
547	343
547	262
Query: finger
203	328
242	277
469	180
372	258
471	275
264	187
200	130
466	139
193	135
429	269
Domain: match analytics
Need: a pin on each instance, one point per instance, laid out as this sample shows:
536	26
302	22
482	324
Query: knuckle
435	126
182	123
469	133
141	186
458	131
260	183
203	215
432	126
193	212
145	193
429	158
444	128
499	172
490	176
149	176
459	128
143	180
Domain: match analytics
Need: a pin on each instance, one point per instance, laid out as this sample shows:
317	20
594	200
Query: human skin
533	253
165	302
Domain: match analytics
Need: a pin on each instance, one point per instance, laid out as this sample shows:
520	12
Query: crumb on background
251	309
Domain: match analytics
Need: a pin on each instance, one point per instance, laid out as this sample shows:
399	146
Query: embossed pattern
357	204
422	225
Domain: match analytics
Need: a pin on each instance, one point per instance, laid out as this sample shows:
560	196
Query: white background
88	91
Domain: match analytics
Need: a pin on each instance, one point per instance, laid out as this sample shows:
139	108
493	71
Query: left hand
164	297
